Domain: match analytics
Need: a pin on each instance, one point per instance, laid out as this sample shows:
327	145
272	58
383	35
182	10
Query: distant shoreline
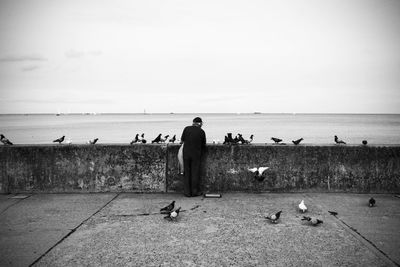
183	113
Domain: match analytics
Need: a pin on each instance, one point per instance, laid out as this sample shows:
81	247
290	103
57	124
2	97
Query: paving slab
227	231
33	225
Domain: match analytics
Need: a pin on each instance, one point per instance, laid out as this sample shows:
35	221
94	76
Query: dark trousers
191	184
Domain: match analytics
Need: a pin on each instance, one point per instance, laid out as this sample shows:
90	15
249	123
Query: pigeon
276	140
371	202
296	142
338	141
258	172
141	139
173	139
274	217
94	141
157	140
4	140
364	142
135	140
163	140
59	140
168	208
241	139
314	221
334	213
302	206
250	140
172	215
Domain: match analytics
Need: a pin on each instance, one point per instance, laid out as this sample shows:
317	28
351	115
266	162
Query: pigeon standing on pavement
302	206
338	141
168	208
172	215
259	172
274	217
314	221
334	213
296	142
364	142
59	140
135	140
4	140
371	202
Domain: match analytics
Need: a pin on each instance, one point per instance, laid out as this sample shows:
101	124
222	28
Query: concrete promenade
125	229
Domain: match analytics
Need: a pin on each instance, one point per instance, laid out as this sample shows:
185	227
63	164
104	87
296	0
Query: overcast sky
200	56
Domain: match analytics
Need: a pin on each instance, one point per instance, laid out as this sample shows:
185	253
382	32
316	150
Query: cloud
30	68
22	58
79	54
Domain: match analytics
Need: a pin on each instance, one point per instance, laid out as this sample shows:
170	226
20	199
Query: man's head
197	121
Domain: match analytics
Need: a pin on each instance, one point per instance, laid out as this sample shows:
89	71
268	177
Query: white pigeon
302	206
258	171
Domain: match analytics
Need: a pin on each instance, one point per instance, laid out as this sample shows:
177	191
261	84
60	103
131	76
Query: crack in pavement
73	230
354	232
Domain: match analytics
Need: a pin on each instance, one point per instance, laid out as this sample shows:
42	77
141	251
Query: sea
316	129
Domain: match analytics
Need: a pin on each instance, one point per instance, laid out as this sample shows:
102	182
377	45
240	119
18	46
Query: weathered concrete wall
295	168
154	168
74	168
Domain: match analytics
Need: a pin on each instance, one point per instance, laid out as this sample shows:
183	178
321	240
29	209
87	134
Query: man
194	140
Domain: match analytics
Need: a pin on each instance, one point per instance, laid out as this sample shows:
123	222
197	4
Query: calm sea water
121	128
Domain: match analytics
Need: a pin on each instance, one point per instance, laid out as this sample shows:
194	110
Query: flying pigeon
168	208
157	140
258	172
334	213
173	139
338	141
296	142
372	202
4	140
274	217
59	140
276	140
94	141
314	221
172	215
364	142
302	206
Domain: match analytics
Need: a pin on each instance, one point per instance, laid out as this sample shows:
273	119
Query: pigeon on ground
371	202
259	172
334	213
228	139
338	141
302	206
296	142
135	140
276	140
4	140
173	139
172	215
364	142
314	221
92	142
168	208
157	140
250	140
59	140
274	217
241	139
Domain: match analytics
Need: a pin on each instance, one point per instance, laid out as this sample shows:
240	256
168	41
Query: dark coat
195	141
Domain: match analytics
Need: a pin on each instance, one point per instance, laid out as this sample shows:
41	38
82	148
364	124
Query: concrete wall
154	168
